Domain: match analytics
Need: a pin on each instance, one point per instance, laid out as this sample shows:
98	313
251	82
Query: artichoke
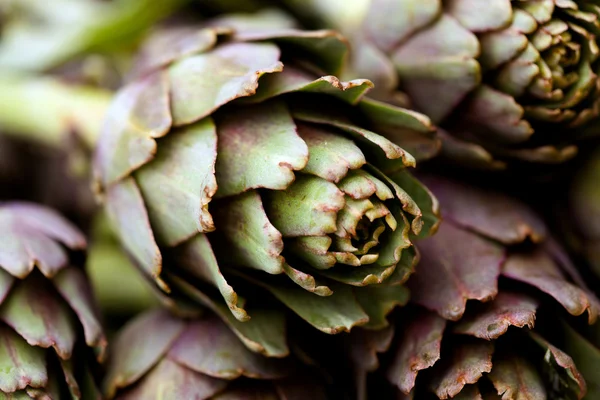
517	336
198	358
220	168
505	80
50	333
584	226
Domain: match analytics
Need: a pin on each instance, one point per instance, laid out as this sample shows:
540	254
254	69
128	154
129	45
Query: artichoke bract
518	332
50	332
505	80
218	164
198	358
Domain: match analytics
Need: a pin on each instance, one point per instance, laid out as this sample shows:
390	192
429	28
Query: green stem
47	110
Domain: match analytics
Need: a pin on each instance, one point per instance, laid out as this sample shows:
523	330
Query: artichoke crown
237	156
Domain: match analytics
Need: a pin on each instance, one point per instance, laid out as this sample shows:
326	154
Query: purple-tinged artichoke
49	331
493	314
505	80
161	356
225	172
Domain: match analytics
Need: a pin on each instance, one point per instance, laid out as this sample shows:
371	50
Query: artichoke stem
47	110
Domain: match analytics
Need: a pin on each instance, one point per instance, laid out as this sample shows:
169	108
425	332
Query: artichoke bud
495	307
237	153
50	332
507	80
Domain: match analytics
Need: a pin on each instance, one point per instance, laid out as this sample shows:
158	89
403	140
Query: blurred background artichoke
505	81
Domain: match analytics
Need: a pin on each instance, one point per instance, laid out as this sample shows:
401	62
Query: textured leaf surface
392	24
209	347
258	148
379	146
135	352
325	48
331	155
73	286
202	83
410	130
179	183
516	378
561	370
168	379
168	45
476	17
418	349
468	361
539	270
439	62
332	314
32	235
406	266
294	80
138	114
197	258
428	203
496	116
309	207
40	316
252	241
21	364
264	333
126	209
456	266
492	319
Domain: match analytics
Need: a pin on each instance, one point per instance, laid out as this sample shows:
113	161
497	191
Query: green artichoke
198	358
584	226
505	80
220	168
517	335
50	332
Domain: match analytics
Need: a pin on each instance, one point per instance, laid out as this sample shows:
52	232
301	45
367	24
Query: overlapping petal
160	355
510	81
494	302
45	306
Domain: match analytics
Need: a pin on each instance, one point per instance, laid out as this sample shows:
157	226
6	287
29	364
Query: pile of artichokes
320	199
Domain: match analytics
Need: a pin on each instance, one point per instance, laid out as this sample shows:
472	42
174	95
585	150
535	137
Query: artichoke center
360	224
